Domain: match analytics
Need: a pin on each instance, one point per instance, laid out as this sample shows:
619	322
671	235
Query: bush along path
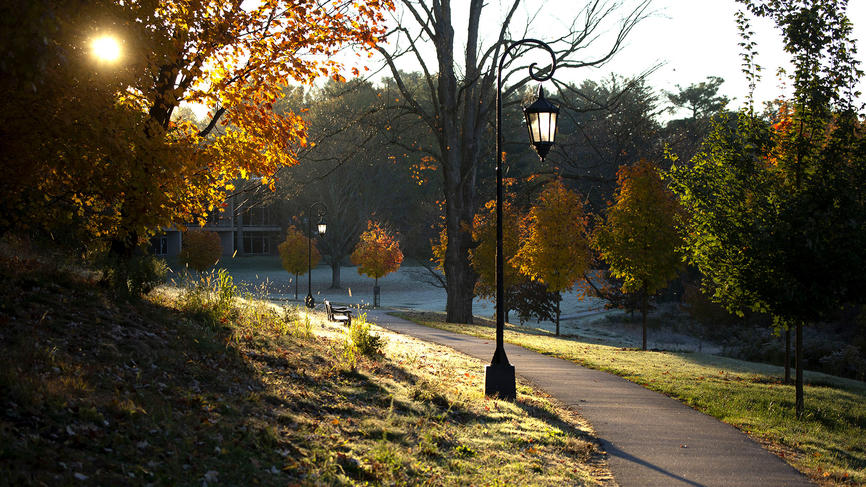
198	387
650	439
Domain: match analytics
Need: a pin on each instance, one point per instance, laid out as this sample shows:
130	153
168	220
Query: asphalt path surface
650	439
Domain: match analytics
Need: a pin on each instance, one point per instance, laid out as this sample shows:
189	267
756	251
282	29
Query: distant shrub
846	361
145	273
201	249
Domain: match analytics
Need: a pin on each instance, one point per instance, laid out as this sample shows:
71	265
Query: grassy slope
95	392
829	444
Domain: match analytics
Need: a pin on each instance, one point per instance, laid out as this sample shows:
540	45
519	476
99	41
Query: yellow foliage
92	147
483	256
555	249
295	252
639	240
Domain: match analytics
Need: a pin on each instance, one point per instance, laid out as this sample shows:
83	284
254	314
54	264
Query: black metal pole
499	375
309	301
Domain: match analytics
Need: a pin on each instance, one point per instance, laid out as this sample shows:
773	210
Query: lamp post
541	118
321	227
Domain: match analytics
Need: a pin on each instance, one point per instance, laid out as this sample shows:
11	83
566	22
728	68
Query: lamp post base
309	301
499	381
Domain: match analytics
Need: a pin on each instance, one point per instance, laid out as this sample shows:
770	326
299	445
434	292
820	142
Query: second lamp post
321	227
499	379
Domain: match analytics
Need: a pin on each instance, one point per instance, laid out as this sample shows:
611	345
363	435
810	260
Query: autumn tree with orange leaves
555	248
377	253
91	146
639	239
297	254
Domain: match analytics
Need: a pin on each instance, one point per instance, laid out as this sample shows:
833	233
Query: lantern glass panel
533	122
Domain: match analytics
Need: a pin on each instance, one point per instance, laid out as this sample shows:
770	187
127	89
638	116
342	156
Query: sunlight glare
106	48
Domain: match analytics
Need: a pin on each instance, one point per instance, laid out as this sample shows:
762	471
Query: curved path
650	439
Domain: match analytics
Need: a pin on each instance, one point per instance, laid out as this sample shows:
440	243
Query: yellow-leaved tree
377	254
483	256
297	254
89	146
555	248
639	239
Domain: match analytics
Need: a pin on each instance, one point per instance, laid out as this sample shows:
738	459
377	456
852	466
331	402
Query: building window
258	217
218	219
258	243
159	246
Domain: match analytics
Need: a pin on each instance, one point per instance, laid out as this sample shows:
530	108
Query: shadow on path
651	439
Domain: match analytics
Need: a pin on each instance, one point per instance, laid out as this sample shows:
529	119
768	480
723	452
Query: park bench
338	313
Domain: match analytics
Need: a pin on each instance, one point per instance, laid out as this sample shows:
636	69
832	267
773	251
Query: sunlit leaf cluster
92	146
639	240
378	251
297	253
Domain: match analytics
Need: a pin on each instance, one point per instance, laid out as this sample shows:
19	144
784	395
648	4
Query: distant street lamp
321	227
541	122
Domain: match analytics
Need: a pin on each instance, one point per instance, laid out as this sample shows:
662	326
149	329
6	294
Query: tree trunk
335	274
459	282
643	311
787	355
296	286
798	359
459	276
558	300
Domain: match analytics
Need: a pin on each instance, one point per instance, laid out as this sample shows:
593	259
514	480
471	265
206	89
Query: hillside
193	387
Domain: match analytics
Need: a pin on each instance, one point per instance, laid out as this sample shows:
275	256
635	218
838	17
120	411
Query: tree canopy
378	252
777	217
555	249
92	145
639	239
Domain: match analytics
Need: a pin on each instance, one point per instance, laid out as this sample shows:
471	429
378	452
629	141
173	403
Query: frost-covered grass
197	386
829	443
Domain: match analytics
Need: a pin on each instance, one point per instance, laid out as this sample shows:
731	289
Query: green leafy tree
201	249
555	247
639	239
778	212
297	254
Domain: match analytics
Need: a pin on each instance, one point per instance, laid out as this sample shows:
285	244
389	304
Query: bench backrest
328	310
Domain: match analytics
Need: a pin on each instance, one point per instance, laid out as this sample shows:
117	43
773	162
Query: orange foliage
93	144
378	252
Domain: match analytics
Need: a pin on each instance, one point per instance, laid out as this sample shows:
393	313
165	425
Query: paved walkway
651	439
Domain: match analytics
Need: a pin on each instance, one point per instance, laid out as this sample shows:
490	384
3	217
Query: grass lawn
185	388
828	444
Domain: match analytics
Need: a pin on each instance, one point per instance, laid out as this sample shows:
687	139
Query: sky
698	38
691	39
